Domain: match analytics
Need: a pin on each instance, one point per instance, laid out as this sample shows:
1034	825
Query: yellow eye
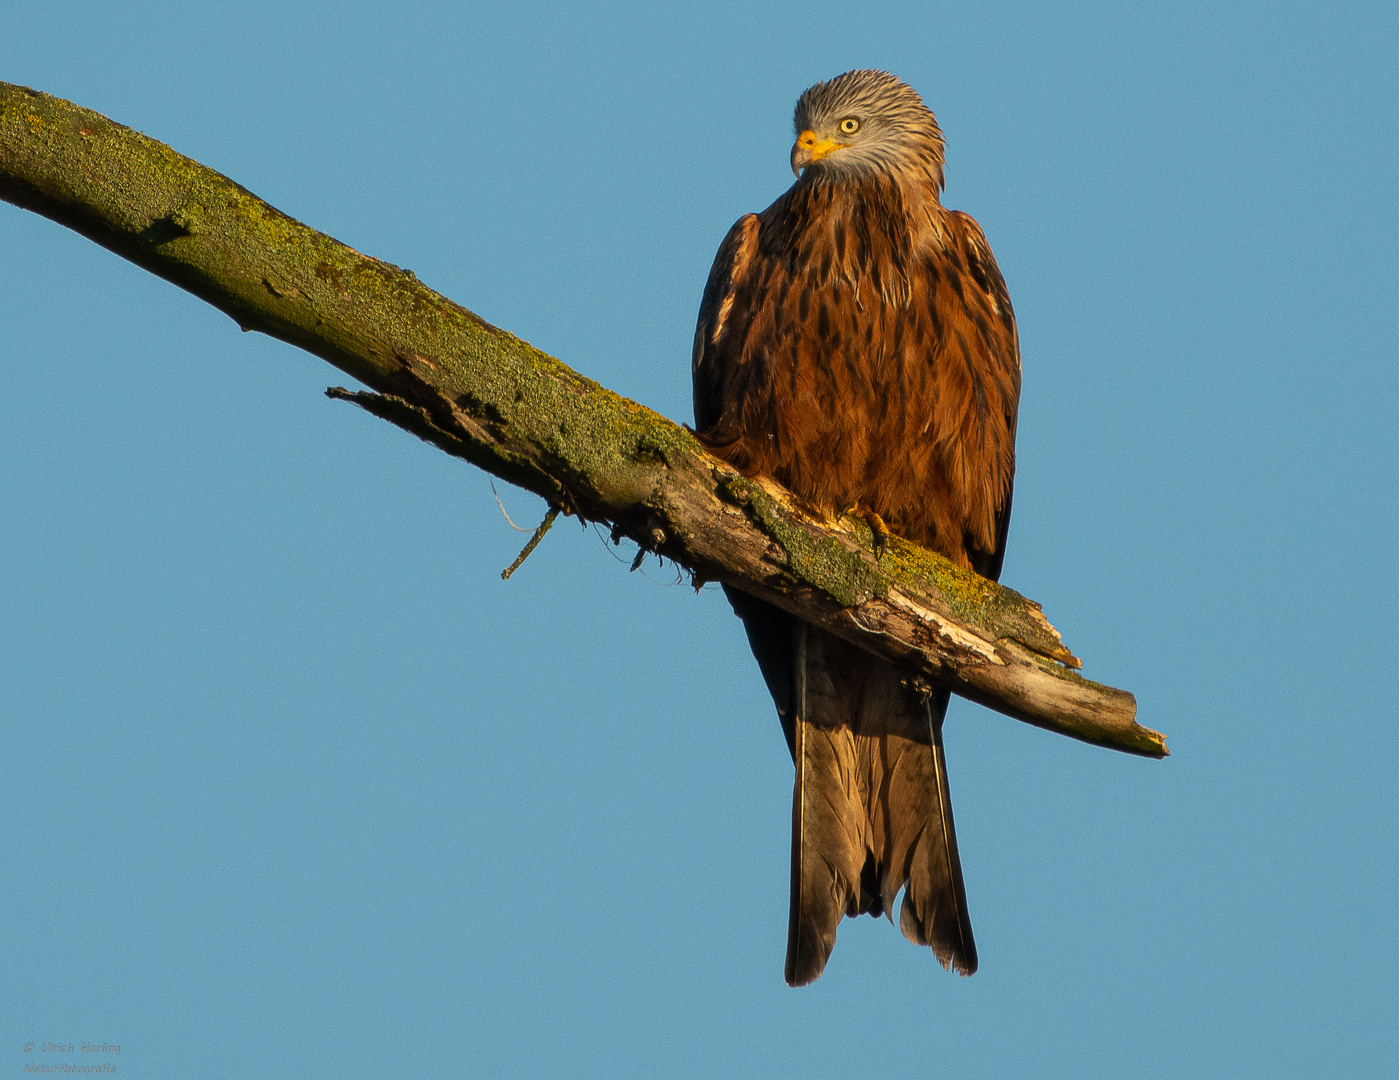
849	126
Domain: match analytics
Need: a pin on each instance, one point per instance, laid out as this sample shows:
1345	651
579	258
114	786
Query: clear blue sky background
295	785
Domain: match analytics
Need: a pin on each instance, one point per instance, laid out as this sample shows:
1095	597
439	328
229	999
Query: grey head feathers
879	123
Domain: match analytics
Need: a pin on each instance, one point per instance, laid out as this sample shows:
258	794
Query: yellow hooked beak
808	148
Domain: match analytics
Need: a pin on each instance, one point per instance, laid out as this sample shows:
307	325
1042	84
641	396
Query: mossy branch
484	395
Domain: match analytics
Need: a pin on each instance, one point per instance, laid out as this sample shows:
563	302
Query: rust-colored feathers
862	364
857	344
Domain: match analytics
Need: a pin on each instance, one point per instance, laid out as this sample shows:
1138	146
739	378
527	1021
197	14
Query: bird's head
863	123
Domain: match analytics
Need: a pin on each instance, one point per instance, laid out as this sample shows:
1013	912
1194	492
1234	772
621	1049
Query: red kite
856	344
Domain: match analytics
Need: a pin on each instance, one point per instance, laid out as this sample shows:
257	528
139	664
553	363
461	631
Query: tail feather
828	851
871	812
934	910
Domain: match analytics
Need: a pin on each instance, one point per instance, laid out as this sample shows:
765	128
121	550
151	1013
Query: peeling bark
484	395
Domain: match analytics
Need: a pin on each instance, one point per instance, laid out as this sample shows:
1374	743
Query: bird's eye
849	126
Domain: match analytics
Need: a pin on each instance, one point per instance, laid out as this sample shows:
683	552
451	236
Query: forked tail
871	810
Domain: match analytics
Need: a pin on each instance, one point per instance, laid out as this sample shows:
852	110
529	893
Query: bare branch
484	395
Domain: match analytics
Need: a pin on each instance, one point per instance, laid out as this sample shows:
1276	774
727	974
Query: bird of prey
856	344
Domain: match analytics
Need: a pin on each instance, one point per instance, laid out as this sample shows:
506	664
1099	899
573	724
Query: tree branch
484	395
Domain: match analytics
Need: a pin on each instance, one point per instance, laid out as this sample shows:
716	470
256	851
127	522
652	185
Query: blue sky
295	784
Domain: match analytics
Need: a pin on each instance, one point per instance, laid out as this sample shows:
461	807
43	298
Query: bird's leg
879	532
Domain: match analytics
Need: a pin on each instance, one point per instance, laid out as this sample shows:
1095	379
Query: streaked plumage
856	343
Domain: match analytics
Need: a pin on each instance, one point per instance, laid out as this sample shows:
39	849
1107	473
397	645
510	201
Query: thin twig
544	526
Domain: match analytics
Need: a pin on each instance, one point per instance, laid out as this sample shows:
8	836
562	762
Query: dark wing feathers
726	277
999	346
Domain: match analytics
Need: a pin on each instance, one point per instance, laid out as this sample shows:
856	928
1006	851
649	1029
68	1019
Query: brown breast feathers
857	344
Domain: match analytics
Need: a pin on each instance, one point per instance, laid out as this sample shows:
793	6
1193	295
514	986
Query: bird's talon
879	533
881	539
